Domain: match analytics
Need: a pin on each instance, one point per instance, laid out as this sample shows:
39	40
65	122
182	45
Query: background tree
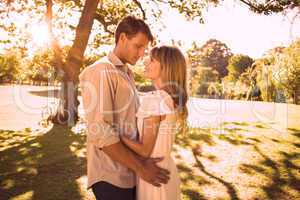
215	90
40	67
269	6
202	77
286	71
264	78
237	65
9	64
278	73
213	54
67	110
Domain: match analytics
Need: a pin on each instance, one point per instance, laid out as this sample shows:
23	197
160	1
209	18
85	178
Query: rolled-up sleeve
98	85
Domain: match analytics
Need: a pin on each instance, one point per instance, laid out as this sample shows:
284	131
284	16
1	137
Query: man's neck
118	53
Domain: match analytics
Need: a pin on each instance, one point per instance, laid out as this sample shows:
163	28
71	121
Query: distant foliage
286	71
202	77
9	64
237	65
275	77
213	54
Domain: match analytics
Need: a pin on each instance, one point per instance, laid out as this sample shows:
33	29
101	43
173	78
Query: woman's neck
157	84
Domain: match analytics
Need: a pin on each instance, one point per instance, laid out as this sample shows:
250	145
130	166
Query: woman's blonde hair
173	75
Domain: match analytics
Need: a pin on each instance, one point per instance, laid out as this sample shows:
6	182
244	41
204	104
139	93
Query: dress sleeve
154	104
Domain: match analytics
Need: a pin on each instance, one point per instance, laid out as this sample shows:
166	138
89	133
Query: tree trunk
67	112
297	96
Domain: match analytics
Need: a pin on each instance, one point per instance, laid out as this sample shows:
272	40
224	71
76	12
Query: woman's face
152	68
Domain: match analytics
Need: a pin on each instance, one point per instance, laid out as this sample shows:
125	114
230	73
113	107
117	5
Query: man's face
134	48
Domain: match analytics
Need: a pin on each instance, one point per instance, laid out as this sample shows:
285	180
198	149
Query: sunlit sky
242	30
232	23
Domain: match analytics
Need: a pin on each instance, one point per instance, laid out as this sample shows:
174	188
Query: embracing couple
130	135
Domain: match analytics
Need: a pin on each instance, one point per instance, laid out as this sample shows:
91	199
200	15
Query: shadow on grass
260	126
46	93
188	178
192	140
295	133
234	139
187	175
192	194
235	136
279	169
236	123
195	135
244	124
274	171
230	188
41	167
280	174
294	130
296	145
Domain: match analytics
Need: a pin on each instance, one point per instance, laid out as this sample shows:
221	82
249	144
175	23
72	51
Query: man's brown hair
131	25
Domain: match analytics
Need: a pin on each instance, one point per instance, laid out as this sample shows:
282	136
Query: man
110	102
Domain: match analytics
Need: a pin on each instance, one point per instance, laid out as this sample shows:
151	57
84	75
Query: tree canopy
237	65
214	54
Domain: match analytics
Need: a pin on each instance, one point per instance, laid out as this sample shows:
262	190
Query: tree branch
105	24
58	60
161	1
141	8
250	5
100	18
83	30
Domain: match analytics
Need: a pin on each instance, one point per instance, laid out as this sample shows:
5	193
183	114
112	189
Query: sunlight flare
40	34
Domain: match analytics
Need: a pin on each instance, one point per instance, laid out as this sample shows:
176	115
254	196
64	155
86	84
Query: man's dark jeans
106	191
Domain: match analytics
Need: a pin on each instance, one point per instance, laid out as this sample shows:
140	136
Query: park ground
233	150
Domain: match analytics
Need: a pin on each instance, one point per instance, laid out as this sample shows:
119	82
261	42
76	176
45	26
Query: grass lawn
47	166
243	161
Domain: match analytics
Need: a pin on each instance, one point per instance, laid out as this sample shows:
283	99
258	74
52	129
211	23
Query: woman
159	114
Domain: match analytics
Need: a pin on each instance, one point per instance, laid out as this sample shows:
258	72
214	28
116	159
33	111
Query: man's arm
145	146
144	168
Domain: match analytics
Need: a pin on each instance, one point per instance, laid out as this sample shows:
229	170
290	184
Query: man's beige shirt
110	104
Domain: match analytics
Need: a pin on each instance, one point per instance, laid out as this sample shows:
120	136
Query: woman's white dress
154	103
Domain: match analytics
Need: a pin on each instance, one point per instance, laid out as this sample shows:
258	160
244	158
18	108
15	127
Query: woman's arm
145	146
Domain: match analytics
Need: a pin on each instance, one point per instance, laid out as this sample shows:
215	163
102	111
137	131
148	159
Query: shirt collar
114	59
